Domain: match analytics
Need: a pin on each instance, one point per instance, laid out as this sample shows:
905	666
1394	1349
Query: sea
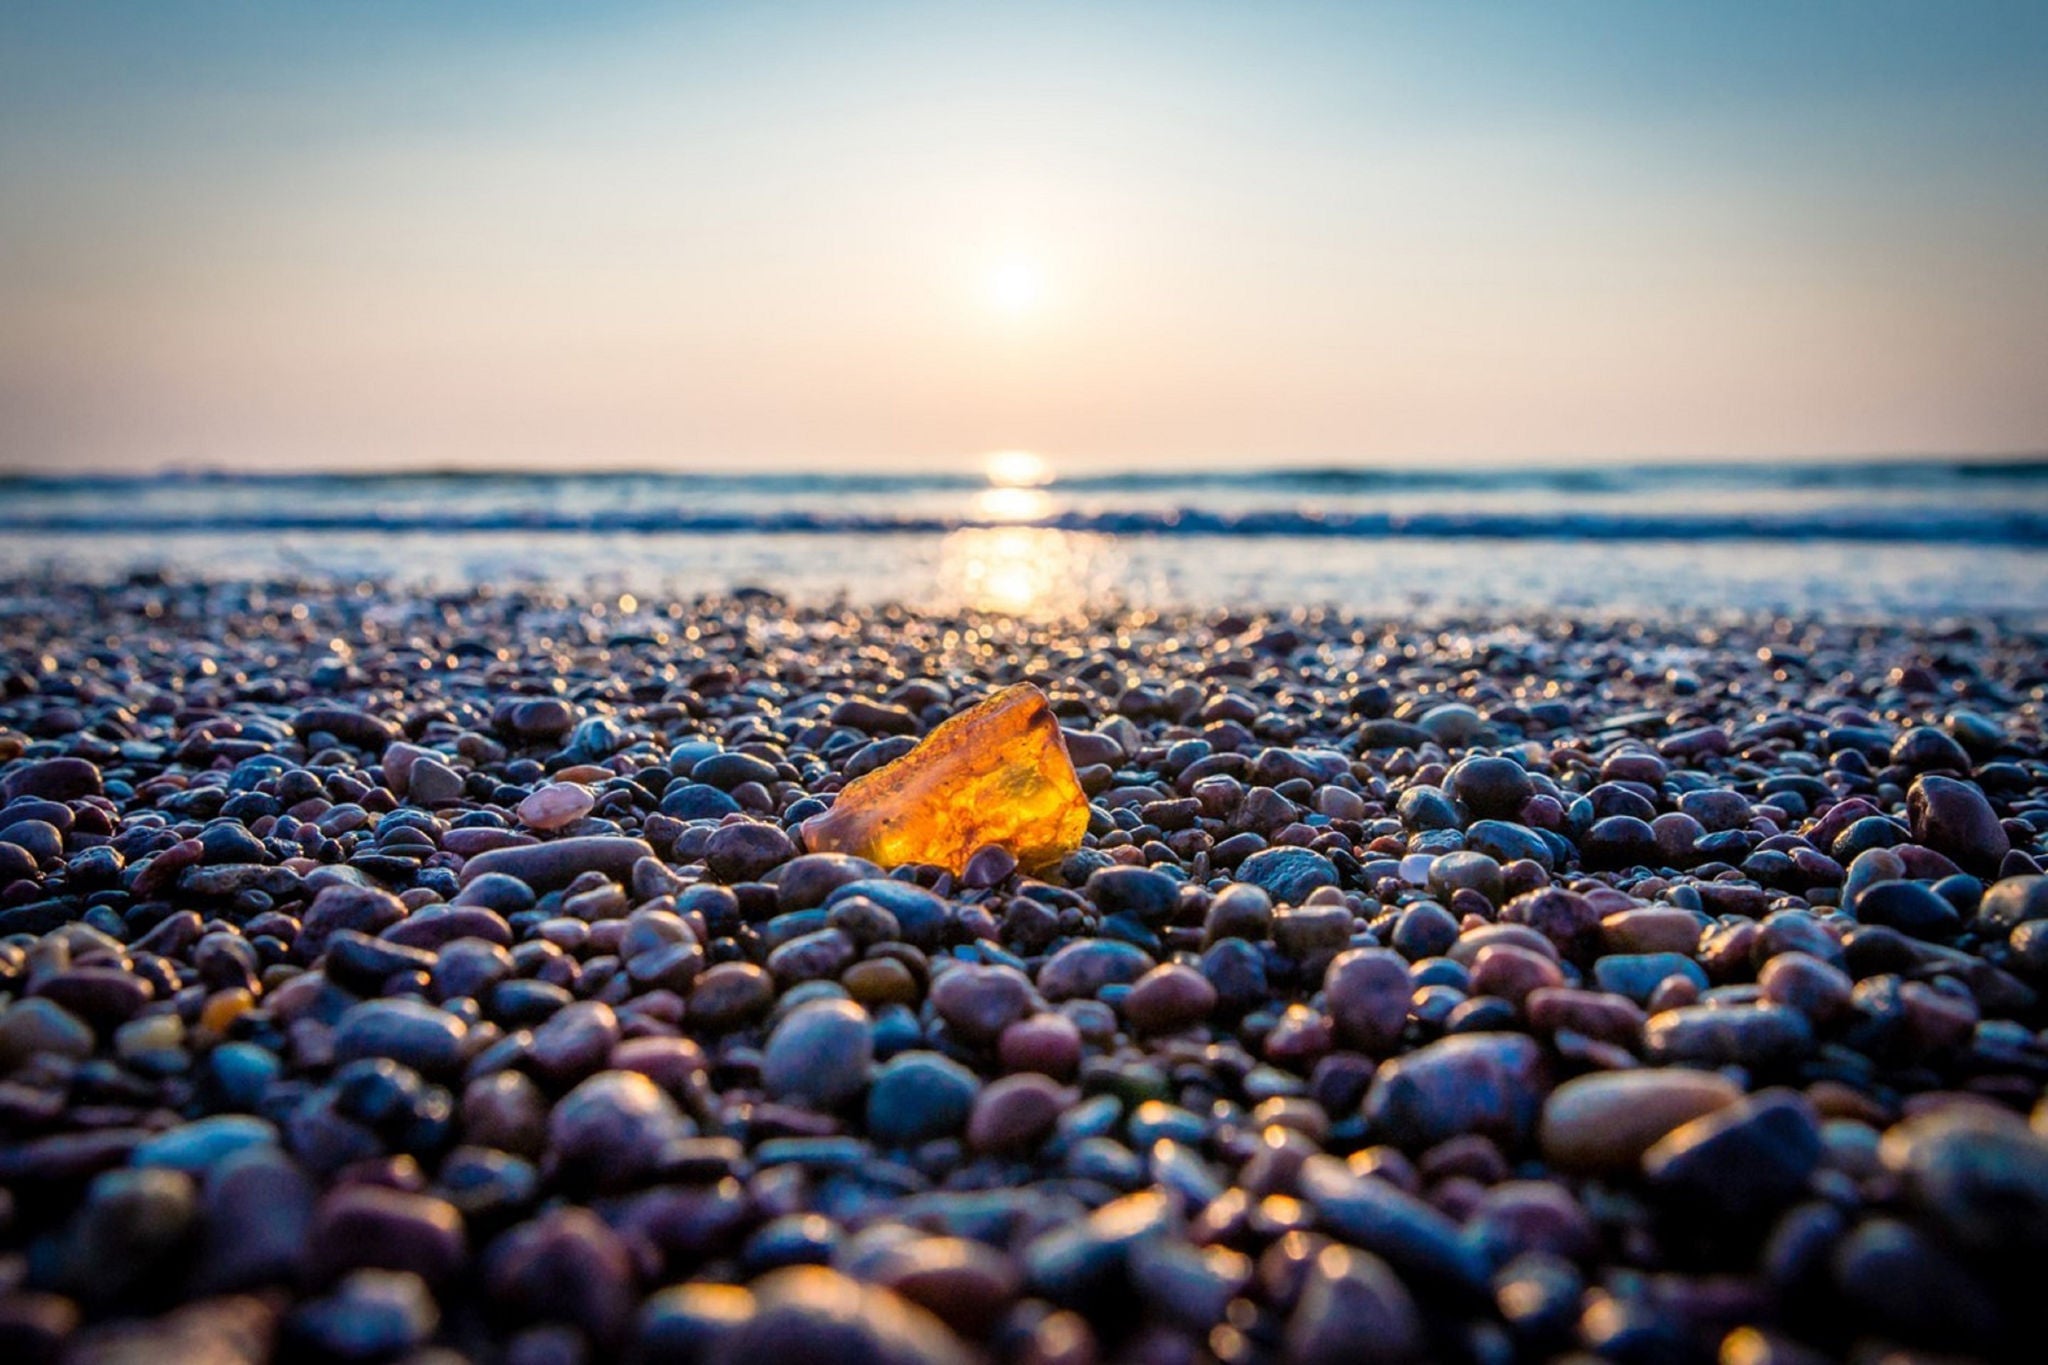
1852	539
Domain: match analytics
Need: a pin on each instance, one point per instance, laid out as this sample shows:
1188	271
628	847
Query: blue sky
389	234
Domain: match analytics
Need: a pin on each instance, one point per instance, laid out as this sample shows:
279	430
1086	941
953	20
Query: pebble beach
439	976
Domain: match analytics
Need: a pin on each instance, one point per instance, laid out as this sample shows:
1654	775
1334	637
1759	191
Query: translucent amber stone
995	774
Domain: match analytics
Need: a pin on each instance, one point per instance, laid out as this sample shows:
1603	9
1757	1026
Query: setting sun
1016	286
1016	468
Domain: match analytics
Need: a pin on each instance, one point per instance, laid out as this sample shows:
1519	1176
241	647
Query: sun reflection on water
1012	504
1018	569
1015	491
1029	571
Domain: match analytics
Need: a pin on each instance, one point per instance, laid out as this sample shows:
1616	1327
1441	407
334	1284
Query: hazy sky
728	235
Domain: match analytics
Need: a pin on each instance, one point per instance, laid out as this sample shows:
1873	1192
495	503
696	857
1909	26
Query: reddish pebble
1014	1113
556	805
1169	998
1367	991
978	1002
1049	1043
1511	973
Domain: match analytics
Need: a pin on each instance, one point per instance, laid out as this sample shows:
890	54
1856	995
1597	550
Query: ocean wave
1971	526
1846	474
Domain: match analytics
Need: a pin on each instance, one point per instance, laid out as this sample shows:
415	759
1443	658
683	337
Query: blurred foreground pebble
452	978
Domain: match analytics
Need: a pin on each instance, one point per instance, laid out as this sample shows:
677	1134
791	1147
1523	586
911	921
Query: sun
1016	286
1016	468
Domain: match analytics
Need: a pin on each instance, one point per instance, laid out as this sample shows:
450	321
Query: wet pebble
821	1054
1606	1121
355	1009
1287	875
1487	1083
919	1097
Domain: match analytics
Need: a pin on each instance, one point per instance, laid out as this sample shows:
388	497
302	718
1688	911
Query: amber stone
997	773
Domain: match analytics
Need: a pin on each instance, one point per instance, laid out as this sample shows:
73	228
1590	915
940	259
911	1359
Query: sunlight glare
1006	503
1016	469
1026	571
1016	286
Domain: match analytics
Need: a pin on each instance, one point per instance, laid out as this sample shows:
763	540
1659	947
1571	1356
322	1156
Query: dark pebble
1288	875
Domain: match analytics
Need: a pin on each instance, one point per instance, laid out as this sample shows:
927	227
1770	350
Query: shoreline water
1917	500
1037	572
1889	539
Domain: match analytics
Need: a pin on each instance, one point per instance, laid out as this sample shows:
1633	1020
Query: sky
1142	234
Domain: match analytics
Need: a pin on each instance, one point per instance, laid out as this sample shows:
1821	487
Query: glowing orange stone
997	773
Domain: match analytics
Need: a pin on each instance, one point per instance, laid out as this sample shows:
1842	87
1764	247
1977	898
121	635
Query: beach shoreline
1461	982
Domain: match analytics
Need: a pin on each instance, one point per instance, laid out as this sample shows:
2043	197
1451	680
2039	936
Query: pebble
730	993
1648	931
979	1002
811	878
1151	896
1311	934
812	1313
1169	998
102	996
1489	788
259	1215
821	1054
1979	1175
1487	1083
1819	990
574	1041
1910	908
1082	1261
1452	724
1607	1120
1051	1043
410	1032
1638	975
1368	991
203	1144
1469	871
433	783
1618	842
1895	1279
567	1266
556	805
1744	1160
1081	969
40	1027
1010	1115
354	1009
553	865
359	1226
1378	1216
964	1283
2013	901
1288	875
130	1227
614	1129
747	851
697	801
1353	1308
1954	817
919	1097
52	779
370	1315
1739	1035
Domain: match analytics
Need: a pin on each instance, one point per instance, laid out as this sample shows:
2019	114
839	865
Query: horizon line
1068	470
